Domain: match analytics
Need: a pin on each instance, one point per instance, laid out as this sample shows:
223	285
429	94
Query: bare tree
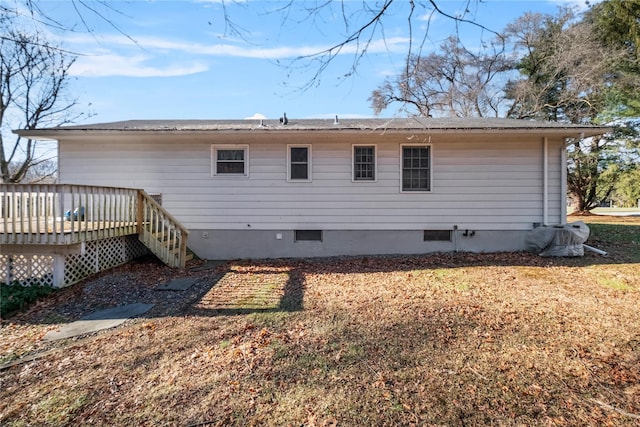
33	79
453	81
570	74
364	25
85	11
566	72
44	171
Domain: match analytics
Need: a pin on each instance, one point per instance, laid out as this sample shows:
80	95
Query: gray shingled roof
399	124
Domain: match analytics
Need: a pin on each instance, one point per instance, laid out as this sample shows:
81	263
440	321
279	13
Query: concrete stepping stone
180	284
99	320
209	265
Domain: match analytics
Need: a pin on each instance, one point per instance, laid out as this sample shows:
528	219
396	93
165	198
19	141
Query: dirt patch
135	282
439	339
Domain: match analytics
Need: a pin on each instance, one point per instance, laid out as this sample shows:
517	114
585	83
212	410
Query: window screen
230	161
364	163
416	168
299	163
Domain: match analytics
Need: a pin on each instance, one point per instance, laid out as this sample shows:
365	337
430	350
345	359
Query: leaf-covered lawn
446	339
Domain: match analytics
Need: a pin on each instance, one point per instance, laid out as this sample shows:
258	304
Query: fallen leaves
476	339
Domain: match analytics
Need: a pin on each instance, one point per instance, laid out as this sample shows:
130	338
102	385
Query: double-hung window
230	160
416	167
364	163
299	163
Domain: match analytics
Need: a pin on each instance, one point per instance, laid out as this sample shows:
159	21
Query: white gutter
58	133
545	181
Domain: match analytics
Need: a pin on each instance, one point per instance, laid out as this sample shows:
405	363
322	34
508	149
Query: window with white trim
299	163
230	160
364	162
416	167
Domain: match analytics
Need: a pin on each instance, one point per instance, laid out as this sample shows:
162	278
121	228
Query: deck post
34	222
183	252
139	212
9	265
58	271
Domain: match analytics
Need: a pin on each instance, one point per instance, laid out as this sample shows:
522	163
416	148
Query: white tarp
559	240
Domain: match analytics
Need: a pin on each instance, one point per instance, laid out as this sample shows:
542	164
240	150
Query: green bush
16	297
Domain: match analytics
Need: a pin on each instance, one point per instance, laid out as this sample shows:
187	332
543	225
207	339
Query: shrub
16	297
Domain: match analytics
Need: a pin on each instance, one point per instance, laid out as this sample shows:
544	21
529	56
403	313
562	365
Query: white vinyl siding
478	182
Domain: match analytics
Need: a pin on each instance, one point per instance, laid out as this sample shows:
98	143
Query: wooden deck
54	216
53	231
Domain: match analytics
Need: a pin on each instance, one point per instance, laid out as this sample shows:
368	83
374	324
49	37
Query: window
157	198
416	168
364	163
308	235
299	161
230	160
437	235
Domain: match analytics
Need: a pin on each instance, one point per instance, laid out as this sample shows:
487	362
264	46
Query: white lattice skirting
65	270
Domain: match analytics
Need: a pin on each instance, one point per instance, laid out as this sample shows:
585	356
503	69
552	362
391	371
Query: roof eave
57	134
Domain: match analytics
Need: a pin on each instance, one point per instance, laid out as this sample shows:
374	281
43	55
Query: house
304	188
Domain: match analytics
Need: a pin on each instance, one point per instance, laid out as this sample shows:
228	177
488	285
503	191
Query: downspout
563	184
545	181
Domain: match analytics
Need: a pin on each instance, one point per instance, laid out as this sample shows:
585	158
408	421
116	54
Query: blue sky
180	60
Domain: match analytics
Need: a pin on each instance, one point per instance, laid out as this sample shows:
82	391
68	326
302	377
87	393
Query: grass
58	408
615	284
440	339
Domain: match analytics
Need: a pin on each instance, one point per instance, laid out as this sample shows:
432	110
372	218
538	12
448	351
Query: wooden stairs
61	233
162	233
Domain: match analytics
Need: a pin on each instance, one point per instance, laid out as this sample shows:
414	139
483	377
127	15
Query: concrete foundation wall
241	244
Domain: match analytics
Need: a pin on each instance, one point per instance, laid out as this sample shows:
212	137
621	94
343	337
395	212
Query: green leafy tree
615	23
627	192
566	72
570	73
596	166
592	171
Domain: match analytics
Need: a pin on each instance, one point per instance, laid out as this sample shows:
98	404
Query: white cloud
387	73
132	66
429	16
160	57
227	49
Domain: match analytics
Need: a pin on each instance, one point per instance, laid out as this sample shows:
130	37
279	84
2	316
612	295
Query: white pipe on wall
563	184
545	180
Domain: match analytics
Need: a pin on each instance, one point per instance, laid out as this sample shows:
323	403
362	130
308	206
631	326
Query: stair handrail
161	232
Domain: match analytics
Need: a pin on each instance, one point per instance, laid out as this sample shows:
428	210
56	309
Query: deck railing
161	232
65	214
